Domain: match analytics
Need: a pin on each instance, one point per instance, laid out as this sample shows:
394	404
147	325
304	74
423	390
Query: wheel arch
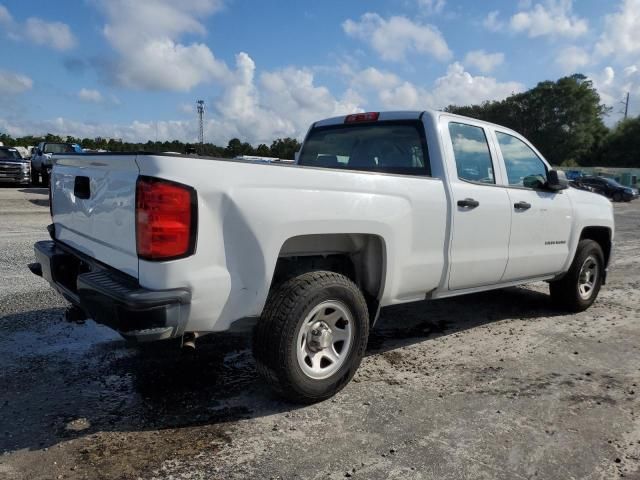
600	235
361	257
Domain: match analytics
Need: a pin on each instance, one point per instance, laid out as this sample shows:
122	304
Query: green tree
563	119
621	148
285	148
263	151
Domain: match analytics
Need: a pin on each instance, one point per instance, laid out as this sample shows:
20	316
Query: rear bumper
110	297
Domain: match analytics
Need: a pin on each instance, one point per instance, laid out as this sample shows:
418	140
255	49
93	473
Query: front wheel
617	197
312	336
578	289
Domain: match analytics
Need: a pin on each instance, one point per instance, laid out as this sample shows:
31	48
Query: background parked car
577	183
611	188
13	168
41	159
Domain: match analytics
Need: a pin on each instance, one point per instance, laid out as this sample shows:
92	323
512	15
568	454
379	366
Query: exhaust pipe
189	340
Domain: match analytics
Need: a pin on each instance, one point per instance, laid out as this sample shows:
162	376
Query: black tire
617	197
46	173
275	338
565	292
35	178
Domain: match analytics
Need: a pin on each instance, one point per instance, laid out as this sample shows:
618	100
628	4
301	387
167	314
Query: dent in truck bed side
245	221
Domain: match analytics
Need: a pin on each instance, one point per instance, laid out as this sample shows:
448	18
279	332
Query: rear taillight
362	117
166	217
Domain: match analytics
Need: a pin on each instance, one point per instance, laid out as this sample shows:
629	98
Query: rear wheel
35	177
46	175
578	289
312	336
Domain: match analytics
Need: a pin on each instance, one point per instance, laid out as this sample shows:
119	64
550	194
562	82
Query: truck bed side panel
247	212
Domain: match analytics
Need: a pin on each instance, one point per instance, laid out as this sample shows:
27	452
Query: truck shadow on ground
69	380
35	190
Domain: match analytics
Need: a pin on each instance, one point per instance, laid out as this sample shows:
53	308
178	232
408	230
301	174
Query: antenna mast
200	107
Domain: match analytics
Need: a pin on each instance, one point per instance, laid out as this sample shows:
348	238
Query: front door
481	213
540	220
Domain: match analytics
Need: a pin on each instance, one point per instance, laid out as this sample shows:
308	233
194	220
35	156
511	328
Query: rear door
541	220
93	200
481	214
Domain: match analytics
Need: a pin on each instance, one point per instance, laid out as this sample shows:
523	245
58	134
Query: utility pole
626	106
200	107
625	102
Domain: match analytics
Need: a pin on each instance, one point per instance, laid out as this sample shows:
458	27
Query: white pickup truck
379	209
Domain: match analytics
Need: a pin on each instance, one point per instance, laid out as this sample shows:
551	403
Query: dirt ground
491	386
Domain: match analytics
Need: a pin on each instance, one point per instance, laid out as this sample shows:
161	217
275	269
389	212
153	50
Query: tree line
564	119
283	148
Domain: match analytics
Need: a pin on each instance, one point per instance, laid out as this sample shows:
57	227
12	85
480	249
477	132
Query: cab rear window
397	147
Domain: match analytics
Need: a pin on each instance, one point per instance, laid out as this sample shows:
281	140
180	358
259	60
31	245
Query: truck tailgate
93	204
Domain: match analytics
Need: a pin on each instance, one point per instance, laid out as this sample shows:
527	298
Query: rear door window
472	154
390	147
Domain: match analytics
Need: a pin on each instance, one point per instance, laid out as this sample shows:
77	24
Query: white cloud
146	36
376	79
187	108
276	104
283	103
492	23
56	35
5	16
459	87
431	6
393	38
456	87
553	18
483	61
621	35
613	87
91	96
13	83
571	59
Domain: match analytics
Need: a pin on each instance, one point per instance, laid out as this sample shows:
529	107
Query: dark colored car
577	183
611	188
14	168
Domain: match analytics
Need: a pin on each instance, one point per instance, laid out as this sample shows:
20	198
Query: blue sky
267	69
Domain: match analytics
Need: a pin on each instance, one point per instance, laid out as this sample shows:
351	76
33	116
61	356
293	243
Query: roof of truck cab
406	115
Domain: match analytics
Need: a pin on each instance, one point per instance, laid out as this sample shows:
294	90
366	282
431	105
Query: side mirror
557	180
536	182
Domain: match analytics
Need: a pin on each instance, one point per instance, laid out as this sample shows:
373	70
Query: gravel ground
490	386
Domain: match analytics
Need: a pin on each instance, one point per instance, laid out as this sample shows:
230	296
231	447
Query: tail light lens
166	217
362	117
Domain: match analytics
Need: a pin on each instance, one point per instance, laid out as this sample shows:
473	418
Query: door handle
468	203
522	206
82	187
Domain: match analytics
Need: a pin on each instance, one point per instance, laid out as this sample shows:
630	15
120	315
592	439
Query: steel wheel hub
588	277
325	339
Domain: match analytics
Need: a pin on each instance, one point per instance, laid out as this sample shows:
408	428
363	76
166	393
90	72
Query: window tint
519	160
9	154
58	148
471	151
391	147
